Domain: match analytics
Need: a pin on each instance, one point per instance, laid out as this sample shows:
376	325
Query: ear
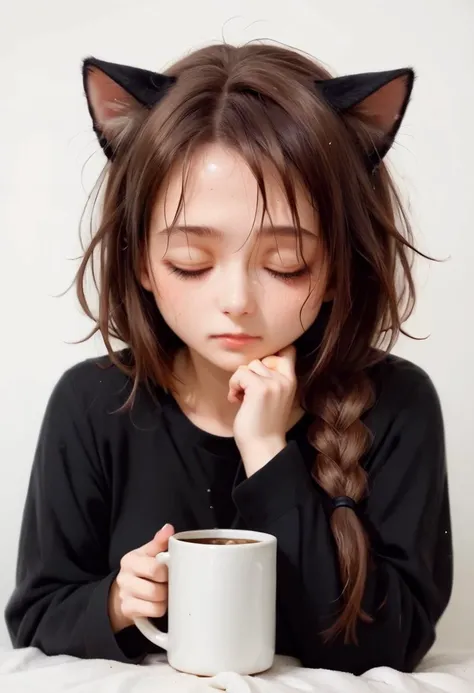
382	97
114	92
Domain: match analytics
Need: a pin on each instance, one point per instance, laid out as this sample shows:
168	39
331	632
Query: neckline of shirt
219	445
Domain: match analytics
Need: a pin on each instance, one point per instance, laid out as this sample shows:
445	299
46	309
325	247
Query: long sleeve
407	518
63	579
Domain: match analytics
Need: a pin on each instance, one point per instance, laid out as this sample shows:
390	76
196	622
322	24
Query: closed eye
194	274
187	274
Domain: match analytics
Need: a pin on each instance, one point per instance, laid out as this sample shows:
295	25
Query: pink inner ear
385	105
107	98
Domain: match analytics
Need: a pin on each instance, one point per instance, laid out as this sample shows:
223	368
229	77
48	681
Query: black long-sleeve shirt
104	482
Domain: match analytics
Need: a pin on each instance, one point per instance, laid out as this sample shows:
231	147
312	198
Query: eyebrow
212	232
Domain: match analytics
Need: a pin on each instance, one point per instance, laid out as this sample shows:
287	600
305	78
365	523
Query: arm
60	603
407	517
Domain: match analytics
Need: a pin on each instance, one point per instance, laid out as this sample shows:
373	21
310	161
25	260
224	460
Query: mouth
235	339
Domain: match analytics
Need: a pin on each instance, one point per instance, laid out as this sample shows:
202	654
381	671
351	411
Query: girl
254	258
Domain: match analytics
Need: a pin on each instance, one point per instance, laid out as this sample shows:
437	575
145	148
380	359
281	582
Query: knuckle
128	561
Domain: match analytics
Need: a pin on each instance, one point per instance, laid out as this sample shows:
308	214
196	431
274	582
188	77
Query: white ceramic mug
221	603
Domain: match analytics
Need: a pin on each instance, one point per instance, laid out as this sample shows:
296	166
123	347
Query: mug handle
143	624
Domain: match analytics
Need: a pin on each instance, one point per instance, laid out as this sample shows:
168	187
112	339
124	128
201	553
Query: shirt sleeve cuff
129	646
276	488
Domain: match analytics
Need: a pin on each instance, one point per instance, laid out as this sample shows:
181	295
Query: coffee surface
220	541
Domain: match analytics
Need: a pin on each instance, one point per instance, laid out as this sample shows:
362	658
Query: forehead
220	191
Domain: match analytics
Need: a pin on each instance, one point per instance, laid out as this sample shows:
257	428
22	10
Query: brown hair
261	101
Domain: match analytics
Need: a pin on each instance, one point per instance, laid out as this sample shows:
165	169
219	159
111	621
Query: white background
49	160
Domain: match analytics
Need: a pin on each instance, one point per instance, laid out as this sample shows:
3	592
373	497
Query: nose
236	292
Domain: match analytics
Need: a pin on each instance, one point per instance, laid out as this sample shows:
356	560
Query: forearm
71	619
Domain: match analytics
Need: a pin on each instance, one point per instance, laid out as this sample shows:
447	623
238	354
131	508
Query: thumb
159	542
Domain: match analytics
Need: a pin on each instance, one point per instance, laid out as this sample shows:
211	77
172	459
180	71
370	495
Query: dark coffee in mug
220	541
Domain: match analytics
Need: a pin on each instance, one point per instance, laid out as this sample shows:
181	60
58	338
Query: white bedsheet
29	671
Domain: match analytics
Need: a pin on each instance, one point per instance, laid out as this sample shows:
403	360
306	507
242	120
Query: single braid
341	439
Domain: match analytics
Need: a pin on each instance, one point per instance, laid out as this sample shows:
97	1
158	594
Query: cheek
170	299
180	304
291	306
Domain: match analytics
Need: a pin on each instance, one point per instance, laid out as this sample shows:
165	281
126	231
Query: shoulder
92	379
407	411
98	387
402	385
406	462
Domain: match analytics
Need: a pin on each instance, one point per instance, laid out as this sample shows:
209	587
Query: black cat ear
114	92
383	98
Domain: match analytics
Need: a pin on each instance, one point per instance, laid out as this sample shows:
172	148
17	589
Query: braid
341	439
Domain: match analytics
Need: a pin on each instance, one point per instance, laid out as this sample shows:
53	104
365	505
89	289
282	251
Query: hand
141	587
267	390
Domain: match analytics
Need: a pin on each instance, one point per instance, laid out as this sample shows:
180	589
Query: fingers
138	608
138	588
239	382
271	362
288	354
260	368
159	542
284	362
141	586
144	567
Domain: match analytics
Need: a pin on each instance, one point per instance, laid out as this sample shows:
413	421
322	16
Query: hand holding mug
140	589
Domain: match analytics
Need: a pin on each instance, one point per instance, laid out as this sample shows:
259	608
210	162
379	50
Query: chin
230	359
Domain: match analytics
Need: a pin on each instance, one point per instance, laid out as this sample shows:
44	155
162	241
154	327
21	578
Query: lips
235	335
235	340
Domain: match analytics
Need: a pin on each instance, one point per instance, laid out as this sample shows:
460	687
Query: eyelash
195	274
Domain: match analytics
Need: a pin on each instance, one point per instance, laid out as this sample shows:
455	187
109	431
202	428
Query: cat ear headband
383	95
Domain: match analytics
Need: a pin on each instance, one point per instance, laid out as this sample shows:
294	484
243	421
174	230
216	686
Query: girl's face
221	275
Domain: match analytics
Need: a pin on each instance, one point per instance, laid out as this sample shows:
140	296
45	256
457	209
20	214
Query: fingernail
166	526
